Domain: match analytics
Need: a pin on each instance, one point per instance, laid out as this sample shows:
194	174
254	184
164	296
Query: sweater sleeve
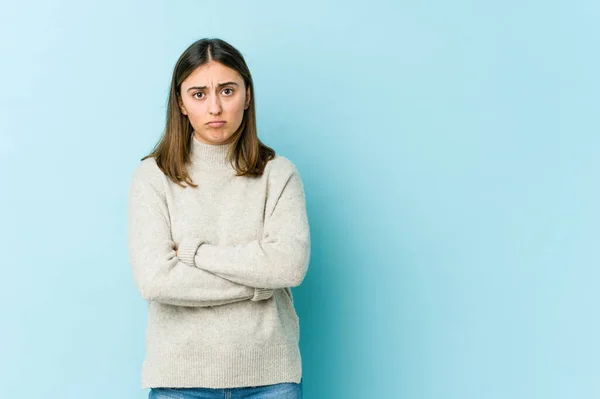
159	274
280	259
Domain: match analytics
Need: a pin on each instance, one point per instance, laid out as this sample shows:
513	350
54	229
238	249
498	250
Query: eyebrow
219	85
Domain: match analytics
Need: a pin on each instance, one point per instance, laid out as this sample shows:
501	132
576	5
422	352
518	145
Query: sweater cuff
186	251
262	293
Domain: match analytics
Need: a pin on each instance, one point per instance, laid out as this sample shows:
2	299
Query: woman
218	233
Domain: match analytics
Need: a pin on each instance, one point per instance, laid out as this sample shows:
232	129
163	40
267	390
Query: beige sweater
220	310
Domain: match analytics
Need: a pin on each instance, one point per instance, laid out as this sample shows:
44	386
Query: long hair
247	154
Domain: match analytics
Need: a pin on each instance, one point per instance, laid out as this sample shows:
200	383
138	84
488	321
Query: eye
227	88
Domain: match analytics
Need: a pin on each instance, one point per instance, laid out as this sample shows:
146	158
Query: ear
247	98
181	106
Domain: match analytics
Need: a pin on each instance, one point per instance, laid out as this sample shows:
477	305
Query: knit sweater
220	310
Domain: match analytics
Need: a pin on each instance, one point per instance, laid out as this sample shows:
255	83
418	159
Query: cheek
195	112
195	117
235	107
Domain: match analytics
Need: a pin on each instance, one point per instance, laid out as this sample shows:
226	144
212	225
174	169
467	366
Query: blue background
450	155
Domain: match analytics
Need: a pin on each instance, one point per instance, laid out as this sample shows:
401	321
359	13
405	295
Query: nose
214	106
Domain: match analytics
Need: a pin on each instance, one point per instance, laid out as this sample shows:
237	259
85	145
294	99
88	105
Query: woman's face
214	92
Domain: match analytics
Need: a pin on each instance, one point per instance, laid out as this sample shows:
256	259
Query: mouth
216	123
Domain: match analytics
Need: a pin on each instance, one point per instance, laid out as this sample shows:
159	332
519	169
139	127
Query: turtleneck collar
209	157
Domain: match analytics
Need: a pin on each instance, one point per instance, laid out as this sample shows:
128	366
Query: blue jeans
284	390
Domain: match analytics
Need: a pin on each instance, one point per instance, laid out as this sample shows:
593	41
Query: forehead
211	74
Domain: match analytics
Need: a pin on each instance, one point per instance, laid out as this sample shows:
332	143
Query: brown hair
248	155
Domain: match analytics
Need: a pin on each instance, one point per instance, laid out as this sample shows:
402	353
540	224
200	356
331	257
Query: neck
209	157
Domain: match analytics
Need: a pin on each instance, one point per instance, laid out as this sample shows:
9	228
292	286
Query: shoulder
282	173
281	166
147	172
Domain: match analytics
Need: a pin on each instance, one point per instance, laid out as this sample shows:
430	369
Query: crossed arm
198	273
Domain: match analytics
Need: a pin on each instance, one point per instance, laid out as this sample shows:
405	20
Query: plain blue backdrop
450	155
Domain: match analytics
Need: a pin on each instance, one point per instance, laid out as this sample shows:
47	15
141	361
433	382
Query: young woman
218	233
